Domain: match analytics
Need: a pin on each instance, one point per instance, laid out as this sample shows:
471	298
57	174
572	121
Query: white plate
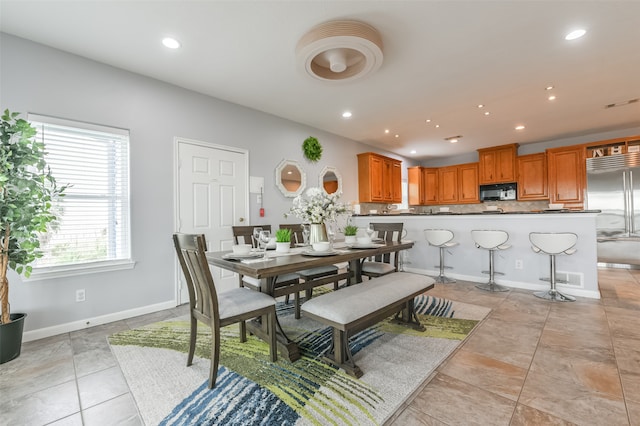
238	256
319	253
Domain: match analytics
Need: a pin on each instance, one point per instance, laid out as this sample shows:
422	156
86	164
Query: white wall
38	79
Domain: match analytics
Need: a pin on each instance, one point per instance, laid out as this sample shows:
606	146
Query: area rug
250	390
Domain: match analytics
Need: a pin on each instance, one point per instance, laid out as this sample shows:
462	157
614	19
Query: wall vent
570	279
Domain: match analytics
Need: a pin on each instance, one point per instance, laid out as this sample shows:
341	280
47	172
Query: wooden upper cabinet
423	185
567	175
448	185
497	164
379	179
532	177
468	183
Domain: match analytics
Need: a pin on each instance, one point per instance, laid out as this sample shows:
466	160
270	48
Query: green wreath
312	149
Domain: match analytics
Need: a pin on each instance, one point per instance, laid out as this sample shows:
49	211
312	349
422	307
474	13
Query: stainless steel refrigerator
613	186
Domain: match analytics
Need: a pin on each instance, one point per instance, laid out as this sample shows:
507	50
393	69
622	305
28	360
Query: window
92	230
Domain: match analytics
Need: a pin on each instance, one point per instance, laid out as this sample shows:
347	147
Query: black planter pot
11	338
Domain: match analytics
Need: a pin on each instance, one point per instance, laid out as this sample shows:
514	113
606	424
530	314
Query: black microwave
498	192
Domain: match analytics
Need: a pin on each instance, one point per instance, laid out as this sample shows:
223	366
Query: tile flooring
531	362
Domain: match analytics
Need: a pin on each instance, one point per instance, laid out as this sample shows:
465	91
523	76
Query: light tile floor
531	362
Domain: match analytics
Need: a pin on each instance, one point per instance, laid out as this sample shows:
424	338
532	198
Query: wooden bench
354	308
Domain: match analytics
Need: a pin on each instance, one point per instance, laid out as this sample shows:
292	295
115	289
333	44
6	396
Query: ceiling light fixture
575	34
437	125
397	136
548	88
346	114
480	106
171	43
428	120
453	139
413	151
340	50
386	131
487	113
552	98
520	127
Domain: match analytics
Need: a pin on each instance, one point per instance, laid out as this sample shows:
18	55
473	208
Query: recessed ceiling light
575	34
520	127
487	113
413	151
480	106
346	114
397	136
552	98
171	43
386	130
428	120
548	88
437	125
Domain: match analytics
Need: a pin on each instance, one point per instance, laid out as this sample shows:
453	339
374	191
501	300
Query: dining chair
219	309
307	274
386	263
244	235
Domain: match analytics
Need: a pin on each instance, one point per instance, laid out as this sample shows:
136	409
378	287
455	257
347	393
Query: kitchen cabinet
532	177
379	179
497	164
567	175
458	184
423	185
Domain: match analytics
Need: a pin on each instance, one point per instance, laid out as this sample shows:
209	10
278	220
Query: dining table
272	264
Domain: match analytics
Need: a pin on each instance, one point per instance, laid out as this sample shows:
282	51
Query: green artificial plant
27	195
350	230
312	149
283	235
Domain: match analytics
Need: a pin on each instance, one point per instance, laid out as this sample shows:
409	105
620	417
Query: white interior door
212	196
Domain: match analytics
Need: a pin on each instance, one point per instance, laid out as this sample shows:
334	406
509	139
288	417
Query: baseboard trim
513	284
41	333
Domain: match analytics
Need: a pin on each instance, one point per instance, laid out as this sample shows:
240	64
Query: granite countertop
562	211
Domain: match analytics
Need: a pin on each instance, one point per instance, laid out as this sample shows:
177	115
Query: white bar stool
553	244
441	238
492	241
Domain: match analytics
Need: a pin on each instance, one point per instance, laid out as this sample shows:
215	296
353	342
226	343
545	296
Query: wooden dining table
267	269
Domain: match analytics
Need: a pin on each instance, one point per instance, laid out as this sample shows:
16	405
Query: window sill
79	269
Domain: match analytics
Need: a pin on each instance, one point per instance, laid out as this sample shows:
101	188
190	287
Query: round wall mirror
290	178
330	180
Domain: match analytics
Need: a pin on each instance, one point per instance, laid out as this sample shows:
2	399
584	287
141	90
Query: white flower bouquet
316	206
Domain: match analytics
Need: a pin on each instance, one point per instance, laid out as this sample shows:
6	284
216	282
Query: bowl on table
363	241
241	248
321	246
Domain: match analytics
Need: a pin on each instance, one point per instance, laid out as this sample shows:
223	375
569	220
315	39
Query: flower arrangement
316	206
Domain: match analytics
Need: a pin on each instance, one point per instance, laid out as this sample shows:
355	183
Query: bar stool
553	244
441	238
492	241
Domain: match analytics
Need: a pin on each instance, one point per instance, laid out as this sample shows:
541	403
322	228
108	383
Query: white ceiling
441	59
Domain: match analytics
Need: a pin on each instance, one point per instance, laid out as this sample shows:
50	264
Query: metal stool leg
554	294
491	285
442	278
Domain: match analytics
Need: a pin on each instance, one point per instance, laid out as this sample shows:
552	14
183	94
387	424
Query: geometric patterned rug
251	390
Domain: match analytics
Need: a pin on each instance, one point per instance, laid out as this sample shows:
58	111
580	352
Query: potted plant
27	195
350	232
283	240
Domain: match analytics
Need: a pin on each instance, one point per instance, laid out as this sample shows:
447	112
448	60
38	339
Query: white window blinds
93	216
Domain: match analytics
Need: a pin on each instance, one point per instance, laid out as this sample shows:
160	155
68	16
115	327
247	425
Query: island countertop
522	267
485	212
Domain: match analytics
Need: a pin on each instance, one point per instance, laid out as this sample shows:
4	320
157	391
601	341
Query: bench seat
354	308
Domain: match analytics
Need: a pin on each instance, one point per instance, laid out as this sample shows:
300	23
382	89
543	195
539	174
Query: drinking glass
256	236
370	230
265	237
306	231
331	232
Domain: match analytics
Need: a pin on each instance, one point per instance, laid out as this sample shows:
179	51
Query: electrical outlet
519	264
80	295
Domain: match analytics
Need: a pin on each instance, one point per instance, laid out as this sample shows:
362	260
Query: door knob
241	219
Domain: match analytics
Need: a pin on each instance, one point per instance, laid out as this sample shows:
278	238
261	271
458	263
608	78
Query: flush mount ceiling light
171	43
340	50
346	114
453	139
575	34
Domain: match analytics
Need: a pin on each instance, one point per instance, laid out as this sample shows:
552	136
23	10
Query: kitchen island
522	267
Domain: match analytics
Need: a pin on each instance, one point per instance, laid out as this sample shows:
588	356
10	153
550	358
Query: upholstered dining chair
219	309
307	274
244	235
386	263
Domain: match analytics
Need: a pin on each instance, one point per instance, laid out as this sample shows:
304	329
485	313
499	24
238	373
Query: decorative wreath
312	149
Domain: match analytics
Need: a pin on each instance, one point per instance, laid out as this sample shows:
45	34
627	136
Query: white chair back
553	243
438	237
487	239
